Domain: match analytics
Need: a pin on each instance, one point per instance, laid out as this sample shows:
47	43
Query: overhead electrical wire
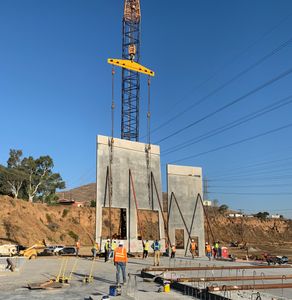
228	64
263	193
228	126
253	165
229	104
237	142
240	74
252	178
250	186
255	172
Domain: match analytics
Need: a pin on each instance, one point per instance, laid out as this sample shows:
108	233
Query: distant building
207	202
276	216
65	201
70	202
235	215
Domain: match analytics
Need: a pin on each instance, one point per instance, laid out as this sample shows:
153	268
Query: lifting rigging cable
148	150
110	143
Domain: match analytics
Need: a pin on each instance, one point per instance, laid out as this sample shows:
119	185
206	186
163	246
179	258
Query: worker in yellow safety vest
106	250
145	249
120	261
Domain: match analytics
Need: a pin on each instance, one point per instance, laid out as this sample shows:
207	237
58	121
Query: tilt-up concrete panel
186	184
128	155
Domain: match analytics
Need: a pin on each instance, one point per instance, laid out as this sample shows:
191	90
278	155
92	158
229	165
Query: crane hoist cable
148	149
111	142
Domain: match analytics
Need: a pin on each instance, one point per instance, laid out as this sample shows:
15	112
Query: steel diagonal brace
130	65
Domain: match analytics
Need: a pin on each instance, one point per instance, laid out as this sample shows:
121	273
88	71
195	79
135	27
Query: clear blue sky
55	88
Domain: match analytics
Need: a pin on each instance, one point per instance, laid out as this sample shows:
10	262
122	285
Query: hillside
251	230
26	223
84	193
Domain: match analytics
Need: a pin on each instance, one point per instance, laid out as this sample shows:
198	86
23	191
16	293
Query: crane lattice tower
131	79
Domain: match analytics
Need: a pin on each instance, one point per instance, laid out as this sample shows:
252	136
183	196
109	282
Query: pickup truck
8	250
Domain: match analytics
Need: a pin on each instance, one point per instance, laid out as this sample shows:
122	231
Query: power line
238	193
254	65
237	142
250	178
233	124
251	186
255	172
226	65
237	100
253	165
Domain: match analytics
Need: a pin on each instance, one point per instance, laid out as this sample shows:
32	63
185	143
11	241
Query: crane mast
130	78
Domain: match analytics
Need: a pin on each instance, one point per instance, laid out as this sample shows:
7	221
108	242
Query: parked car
50	249
276	259
57	249
68	251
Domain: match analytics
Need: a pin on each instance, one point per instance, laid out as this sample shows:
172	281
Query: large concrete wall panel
186	183
127	155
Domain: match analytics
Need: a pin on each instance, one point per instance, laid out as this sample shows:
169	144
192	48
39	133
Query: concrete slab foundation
185	184
114	161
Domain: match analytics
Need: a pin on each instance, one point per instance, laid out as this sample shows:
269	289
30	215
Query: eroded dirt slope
27	223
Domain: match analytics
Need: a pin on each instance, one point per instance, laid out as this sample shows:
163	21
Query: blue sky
55	88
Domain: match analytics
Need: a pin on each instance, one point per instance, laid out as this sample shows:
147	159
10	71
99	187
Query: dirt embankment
27	223
250	230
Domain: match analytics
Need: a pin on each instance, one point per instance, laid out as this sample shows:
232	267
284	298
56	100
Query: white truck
8	250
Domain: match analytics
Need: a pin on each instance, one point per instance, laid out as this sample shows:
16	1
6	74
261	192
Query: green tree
14	179
41	181
223	208
31	178
262	215
14	160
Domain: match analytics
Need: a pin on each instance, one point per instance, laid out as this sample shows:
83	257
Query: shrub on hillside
65	212
73	235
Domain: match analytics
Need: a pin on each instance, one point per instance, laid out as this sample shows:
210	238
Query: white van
8	250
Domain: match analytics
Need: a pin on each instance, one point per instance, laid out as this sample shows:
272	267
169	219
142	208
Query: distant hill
84	193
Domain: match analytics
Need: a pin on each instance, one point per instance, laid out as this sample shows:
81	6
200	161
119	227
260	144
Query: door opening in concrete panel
118	223
180	238
148	229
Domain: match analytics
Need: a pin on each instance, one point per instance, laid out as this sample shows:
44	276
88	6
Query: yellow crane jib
130	65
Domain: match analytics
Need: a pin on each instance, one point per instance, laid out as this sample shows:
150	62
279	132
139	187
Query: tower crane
131	70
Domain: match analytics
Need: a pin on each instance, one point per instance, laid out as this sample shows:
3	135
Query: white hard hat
121	243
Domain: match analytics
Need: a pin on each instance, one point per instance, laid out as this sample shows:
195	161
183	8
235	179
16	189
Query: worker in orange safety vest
120	261
208	250
193	248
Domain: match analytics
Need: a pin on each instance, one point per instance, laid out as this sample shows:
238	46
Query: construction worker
113	247
216	249
193	248
156	246
208	250
106	250
77	247
145	249
94	249
120	261
173	251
